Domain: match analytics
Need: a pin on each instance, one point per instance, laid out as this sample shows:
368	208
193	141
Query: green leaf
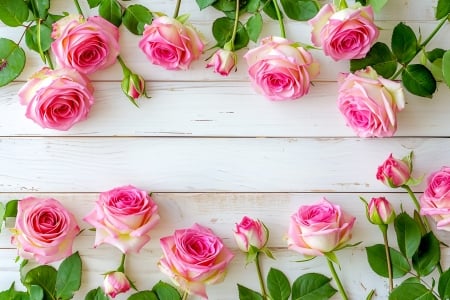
380	58
36	292
12	61
166	291
254	27
419	81
446	67
226	5
12	294
432	60
45	277
13	12
39	38
94	3
2	215
443	9
312	286
222	30
278	285
300	10
111	11
428	255
202	4
253	5
40	8
68	279
135	17
404	43
444	285
377	4
96	294
269	9
144	295
408	234
11	208
411	291
376	257
248	294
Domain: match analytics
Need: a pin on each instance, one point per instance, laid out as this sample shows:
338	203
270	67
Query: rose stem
280	20
260	278
388	256
121	267
77	5
236	22
416	203
49	60
177	9
185	295
337	280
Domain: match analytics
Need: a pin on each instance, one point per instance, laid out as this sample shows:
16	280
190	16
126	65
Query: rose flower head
223	61
115	283
395	172
123	217
44	230
380	211
250	233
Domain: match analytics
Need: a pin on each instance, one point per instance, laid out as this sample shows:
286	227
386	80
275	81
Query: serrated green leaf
432	60
166	291
300	10
222	31
36	292
45	277
428	255
12	294
376	256
444	285
442	9
40	8
254	27
404	43
96	294
226	5
380	58
144	295
419	81
253	5
136	17
248	294
446	67
312	286
411	291
202	4
12	61
278	285
13	12
269	9
93	3
68	279
11	208
111	11
408	234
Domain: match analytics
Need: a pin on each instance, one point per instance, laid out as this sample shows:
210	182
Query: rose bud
380	211
394	172
115	283
250	233
223	62
133	86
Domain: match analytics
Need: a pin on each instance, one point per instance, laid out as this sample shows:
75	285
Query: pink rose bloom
44	230
380	211
115	283
435	201
223	61
370	103
319	228
57	99
85	45
250	232
280	69
193	258
171	44
123	218
344	34
394	172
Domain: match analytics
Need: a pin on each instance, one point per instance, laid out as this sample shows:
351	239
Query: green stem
280	19
185	296
49	60
77	5
423	220
388	257
125	69
236	23
337	280
121	267
177	9
260	277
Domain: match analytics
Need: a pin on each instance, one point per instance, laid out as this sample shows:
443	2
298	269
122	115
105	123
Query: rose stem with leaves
384	228
337	280
280	19
230	45
260	277
423	220
177	9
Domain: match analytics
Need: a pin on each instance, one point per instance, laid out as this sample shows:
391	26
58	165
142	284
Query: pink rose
435	201
223	61
280	69
171	44
319	228
57	99
44	230
123	218
115	283
370	103
380	211
85	45
394	172
193	258
133	86
250	232
344	34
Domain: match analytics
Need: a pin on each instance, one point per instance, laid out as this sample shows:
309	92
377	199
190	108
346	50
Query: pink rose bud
44	230
370	103
280	69
344	34
250	233
223	62
115	283
394	172
435	201
171	44
133	86
380	211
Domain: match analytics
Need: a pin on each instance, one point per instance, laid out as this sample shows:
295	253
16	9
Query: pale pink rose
123	217
223	61
344	34
85	45
280	69
115	283
57	99
171	44
380	211
44	230
435	201
370	103
394	172
250	232
319	228
194	258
